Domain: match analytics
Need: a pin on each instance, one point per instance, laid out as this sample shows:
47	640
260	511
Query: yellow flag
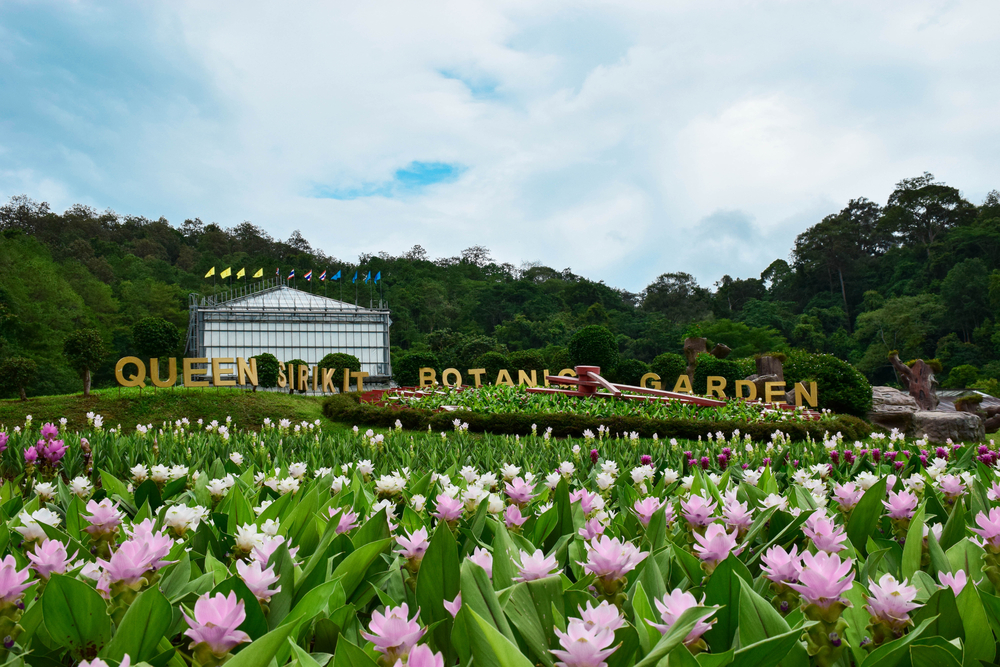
242	273
211	272
259	274
226	272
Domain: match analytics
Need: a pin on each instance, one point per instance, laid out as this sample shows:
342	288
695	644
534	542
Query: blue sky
622	139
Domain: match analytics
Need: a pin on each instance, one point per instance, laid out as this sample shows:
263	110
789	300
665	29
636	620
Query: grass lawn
129	406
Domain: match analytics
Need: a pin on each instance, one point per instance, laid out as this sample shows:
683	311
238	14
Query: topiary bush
339	361
669	366
155	337
961	377
594	345
267	370
709	365
492	362
842	388
406	369
629	371
293	381
528	360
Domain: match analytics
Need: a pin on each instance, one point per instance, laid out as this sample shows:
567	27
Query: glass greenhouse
290	324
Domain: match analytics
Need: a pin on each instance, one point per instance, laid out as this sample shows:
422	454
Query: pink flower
393	632
989	528
583	646
414	544
646	508
825	534
453	606
698	511
104	517
611	559
512	516
951	487
824	578
483	559
519	491
672	606
52	450
901	505
780	566
891	602
48	558
216	622
588	501
604	615
847	495
3	441
263	551
258	579
348	521
993	494
591	529
955	581
422	656
447	508
97	662
12	581
30	454
715	545
49	431
535	566
738	516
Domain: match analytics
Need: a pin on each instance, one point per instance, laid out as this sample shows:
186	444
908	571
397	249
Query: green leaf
439	579
75	615
478	594
489	647
675	635
148	492
240	511
954	528
942	611
350	655
142	627
352	569
932	656
642	611
532	622
914	543
965	555
768	652
889	654
254	624
261	652
723	590
281	602
979	642
758	620
865	516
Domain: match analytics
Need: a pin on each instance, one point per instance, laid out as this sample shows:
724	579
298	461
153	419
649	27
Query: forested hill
919	274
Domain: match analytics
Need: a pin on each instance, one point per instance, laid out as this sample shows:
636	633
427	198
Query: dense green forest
919	274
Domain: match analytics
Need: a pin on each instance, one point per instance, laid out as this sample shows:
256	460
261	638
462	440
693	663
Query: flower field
205	544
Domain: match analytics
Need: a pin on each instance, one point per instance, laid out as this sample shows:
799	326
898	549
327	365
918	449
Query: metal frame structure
269	316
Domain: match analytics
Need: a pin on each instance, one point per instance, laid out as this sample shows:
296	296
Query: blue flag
355	278
368	276
336	277
378	276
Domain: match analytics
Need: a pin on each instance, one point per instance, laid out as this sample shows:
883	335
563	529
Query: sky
621	139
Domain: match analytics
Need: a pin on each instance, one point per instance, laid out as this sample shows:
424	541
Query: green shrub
989	386
155	337
293	380
961	377
841	387
16	373
709	365
267	370
630	371
406	369
85	351
669	366
748	366
594	345
492	362
528	360
557	358
339	361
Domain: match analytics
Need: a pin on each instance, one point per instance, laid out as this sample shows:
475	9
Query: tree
594	345
339	361
16	373
294	381
678	297
920	210
909	324
477	255
267	370
155	337
965	291
85	350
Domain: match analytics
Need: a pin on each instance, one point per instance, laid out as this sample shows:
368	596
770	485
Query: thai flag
309	275
322	276
291	274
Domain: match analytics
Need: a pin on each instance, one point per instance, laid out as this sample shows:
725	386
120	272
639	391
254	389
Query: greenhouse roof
280	297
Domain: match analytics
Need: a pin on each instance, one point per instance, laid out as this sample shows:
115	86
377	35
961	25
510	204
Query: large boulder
892	409
939	426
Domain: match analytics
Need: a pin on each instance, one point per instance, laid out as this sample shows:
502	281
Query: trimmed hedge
711	366
842	388
594	345
348	408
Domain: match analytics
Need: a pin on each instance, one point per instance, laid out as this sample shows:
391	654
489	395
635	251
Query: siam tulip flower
780	566
825	534
45	491
698	511
989	529
81	487
30	454
495	504
236	458
671	607
509	472
774	500
421	655
955	581
847	495
951	487
248	536
30	529
591	529
519	491
52	450
49	431
3	441
994	493
901	505
646	508
536	566
447	508
215	627
126	661
414	545
738	516
583	646
13	582
603	615
889	605
513	518
348	521
824	579
483	559
104	518
715	546
268	546
258	579
394	633
453	606
181	518
610	559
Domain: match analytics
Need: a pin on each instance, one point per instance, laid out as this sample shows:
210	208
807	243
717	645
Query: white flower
81	486
473	496
865	480
488	480
687	482
715	478
183	518
469	474
322	472
365	468
177	472
915	482
567	468
774	500
264	504
248	537
552	480
509	472
388	506
159	474
496	504
217	488
751	477
610	467
236	458
339	483
270	527
298	470
390	485
937	468
418	502
670	476
604	481
288	485
46	491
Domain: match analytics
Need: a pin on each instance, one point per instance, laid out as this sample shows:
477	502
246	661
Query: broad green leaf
942	610
768	652
141	629
723	590
350	655
478	594
890	653
758	620
932	656
675	635
489	647
642	613
954	528
439	579
865	516
914	544
76	616
352	569
979	642
261	652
